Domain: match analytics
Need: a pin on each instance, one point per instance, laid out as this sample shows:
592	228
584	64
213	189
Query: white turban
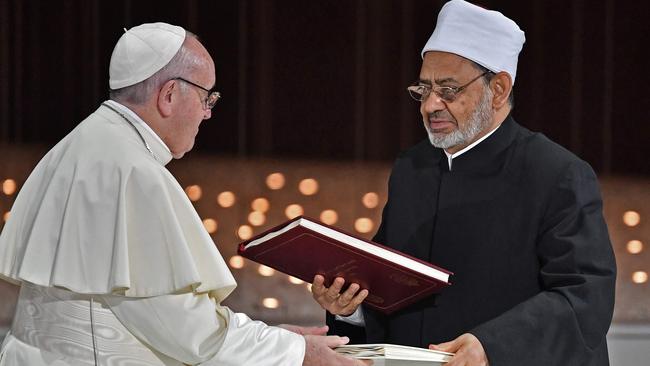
142	51
486	37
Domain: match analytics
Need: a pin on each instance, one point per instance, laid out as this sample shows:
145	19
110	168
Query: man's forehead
440	67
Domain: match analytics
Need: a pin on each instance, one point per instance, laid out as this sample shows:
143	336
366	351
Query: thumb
450	346
335	341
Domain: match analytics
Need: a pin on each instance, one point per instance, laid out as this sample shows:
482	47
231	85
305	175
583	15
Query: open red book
304	247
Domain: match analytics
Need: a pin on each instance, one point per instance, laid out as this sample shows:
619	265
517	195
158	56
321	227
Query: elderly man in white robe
114	264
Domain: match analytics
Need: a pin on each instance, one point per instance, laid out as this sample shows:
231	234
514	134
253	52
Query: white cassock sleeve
195	330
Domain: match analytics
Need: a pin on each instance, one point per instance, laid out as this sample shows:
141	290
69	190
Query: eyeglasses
448	94
210	100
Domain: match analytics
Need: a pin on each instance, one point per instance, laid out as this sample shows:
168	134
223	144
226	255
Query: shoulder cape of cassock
101	215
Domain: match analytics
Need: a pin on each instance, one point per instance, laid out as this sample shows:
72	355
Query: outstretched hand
319	352
331	298
468	349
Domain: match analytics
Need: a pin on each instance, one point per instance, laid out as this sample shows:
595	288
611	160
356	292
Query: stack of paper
395	355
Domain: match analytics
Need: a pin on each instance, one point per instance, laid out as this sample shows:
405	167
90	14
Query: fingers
451	346
356	301
347	296
333	292
318	286
332	300
467	348
319	351
335	341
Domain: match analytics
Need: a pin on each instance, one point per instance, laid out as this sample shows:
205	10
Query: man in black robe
515	216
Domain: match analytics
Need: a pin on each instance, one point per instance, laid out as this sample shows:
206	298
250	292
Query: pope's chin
181	153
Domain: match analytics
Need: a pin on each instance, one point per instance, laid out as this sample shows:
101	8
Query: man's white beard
477	122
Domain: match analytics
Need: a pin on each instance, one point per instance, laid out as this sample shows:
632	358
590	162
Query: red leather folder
304	247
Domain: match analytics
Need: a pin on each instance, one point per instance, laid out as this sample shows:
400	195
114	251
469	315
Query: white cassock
115	265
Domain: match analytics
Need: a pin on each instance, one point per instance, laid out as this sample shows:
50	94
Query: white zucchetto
486	37
142	51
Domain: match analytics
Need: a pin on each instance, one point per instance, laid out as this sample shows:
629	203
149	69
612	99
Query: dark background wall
327	79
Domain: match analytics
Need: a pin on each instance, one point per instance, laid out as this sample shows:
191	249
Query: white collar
468	147
137	118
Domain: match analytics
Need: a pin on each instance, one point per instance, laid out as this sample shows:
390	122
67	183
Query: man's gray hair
488	77
183	62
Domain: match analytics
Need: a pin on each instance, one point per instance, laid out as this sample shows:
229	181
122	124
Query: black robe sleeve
566	322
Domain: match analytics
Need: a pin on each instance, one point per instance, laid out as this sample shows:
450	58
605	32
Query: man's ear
166	97
501	85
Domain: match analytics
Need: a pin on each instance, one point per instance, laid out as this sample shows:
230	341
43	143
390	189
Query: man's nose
433	103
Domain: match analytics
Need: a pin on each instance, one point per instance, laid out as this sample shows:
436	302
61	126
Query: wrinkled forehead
439	67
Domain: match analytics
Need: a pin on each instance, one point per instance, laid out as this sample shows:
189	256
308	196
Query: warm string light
634	246
245	232
275	181
363	225
308	186
329	217
631	218
9	187
226	199
210	225
194	192
5	217
270	303
265	271
236	262
260	204
256	218
296	281
293	210
370	200
640	277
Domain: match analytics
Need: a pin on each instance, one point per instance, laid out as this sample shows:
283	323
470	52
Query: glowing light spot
256	218
296	281
640	277
245	232
631	218
265	271
9	187
293	211
308	186
309	287
330	217
275	181
634	246
194	192
5	217
363	225
270	302
226	199
210	225
370	200
236	261
260	204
